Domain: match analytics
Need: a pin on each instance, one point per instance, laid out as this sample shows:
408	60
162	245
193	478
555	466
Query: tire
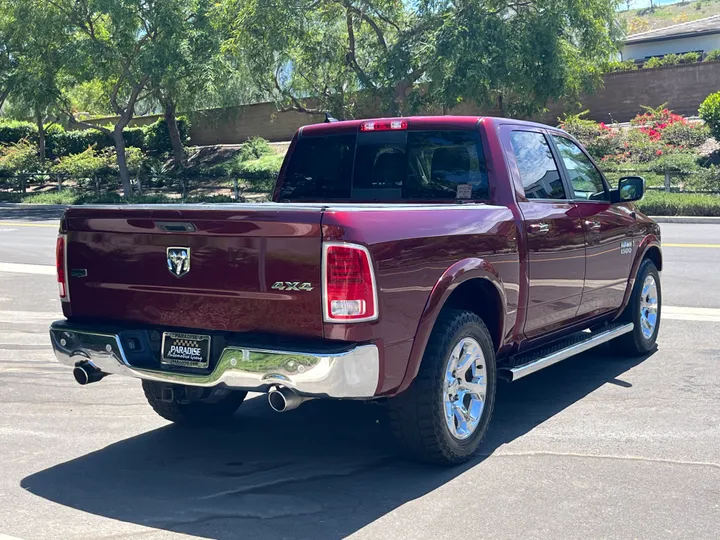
642	339
192	406
418	415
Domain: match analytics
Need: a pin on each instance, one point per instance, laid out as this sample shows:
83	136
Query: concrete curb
694	220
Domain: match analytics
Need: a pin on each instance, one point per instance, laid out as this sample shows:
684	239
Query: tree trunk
122	160
41	136
177	143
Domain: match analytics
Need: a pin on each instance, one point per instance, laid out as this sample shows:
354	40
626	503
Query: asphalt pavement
595	447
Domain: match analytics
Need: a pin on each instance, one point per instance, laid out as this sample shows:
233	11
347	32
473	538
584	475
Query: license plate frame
180	349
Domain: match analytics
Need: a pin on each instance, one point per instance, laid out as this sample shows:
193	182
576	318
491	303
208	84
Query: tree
517	56
127	43
338	55
37	35
327	55
186	52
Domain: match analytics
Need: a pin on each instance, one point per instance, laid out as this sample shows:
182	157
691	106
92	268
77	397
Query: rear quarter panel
412	249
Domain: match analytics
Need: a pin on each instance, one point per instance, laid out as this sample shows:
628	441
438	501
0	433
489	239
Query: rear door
250	268
608	230
554	232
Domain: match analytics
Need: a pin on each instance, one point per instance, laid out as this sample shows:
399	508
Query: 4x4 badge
292	286
178	260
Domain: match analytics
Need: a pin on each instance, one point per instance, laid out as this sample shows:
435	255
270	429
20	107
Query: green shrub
266	167
212	199
87	164
11	196
685	134
584	130
710	113
706	179
255	148
134	136
679	204
640	147
713	56
675	163
690	58
76	142
617	66
66	196
653	62
667	60
157	135
19	158
12	131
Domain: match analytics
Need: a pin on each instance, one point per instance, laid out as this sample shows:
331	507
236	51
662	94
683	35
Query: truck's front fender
649	245
459	273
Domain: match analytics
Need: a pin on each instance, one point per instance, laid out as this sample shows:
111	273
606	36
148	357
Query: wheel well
482	298
655	256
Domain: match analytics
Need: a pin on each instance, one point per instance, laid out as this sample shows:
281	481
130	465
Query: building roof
701	27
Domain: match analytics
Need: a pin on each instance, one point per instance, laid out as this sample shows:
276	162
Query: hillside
642	20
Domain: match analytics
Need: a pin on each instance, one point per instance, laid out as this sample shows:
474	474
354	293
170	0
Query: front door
554	233
608	231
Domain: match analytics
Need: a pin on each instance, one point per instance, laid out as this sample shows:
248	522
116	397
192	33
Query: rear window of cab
387	166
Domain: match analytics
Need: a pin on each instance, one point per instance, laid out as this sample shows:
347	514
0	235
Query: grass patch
679	204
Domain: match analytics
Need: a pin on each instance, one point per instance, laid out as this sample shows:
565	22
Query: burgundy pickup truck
409	260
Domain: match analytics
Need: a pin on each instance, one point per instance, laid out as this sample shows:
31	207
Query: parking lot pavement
597	446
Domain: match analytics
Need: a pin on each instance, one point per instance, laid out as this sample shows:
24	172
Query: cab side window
587	182
538	170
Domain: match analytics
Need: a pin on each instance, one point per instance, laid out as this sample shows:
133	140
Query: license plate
187	350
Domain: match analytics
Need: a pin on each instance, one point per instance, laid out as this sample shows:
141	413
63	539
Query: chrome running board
526	364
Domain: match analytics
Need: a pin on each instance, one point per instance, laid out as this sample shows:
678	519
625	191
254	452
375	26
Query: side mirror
630	188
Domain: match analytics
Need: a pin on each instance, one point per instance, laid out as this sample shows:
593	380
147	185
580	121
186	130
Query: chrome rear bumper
352	373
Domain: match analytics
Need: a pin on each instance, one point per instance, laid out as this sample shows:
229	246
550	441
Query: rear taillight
350	293
61	265
384	125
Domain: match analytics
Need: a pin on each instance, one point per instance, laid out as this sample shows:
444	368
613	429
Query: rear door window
388	166
538	170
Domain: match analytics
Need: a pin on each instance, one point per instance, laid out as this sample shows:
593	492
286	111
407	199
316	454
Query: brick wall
682	87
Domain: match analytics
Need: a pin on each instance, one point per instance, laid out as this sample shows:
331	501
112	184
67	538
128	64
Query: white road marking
25	317
673	313
17	268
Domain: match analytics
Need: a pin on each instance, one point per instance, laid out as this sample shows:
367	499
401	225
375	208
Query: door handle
593	225
539	228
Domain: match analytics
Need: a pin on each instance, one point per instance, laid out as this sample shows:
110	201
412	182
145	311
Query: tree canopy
347	57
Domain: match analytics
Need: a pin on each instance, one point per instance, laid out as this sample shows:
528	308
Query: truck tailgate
129	264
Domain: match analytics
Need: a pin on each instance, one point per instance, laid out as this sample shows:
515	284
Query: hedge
679	204
12	131
154	138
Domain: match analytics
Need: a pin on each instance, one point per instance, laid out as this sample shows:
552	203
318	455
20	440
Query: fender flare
649	242
461	272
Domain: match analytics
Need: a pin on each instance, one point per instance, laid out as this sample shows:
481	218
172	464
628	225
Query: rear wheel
191	405
643	311
444	415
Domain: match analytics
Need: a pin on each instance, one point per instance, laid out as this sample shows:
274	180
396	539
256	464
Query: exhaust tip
82	377
277	401
86	374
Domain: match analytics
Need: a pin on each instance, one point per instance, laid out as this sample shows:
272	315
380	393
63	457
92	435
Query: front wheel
643	311
191	405
444	415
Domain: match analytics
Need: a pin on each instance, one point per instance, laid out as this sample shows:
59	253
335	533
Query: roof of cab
414	123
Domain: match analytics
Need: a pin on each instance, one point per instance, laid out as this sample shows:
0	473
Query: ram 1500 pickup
409	260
